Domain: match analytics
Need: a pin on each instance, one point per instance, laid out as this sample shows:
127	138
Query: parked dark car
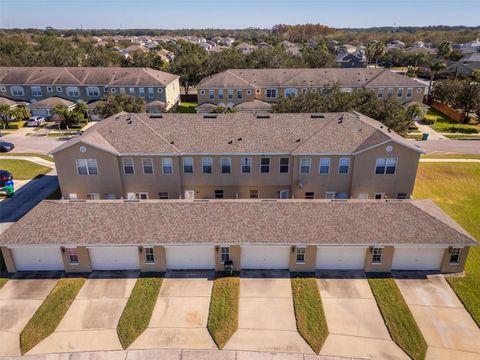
6	146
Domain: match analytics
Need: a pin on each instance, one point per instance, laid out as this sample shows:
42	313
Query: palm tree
419	59
435	68
445	49
379	51
370	53
4	114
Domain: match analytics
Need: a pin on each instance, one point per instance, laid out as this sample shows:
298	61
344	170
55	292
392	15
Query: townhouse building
233	87
237	156
33	84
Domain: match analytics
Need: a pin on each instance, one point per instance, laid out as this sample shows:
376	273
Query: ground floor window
402	196
142	196
149	255
379	196
300	251
72	256
309	195
218	194
283	194
225	253
455	255
253	194
377	254
163	195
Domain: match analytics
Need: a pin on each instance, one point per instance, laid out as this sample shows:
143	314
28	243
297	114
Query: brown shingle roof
51	102
95	76
247	78
240	133
353	222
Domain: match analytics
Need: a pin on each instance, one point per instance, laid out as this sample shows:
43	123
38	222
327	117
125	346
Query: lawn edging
397	316
223	312
50	313
309	313
138	311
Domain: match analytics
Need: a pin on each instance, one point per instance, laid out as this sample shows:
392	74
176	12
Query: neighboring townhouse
348	60
229	156
295	235
467	66
45	107
34	84
235	86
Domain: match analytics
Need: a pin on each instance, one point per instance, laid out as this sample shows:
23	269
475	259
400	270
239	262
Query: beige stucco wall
452	268
205	98
8	258
364	179
172	94
235	252
83	265
160	264
310	260
385	265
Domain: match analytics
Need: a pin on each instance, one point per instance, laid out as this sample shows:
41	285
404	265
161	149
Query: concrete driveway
20	297
33	143
266	316
448	328
180	316
91	321
356	327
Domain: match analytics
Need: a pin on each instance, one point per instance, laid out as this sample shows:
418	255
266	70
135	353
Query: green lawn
223	314
462	136
450	156
445	124
42	156
138	311
187	107
23	169
50	313
311	322
455	188
2	281
397	316
413	136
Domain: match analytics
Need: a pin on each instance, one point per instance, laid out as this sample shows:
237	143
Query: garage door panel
114	258
417	258
38	259
265	257
190	257
340	258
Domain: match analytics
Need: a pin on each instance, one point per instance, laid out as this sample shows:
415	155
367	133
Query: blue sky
173	14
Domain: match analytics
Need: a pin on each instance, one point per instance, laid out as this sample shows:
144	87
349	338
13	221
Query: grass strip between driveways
138	311
311	322
50	313
42	156
224	304
397	316
23	169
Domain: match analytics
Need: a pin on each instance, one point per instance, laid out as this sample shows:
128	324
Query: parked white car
36	121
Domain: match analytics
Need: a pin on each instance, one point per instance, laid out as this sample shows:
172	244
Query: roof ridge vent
210	116
155	116
263	116
317	116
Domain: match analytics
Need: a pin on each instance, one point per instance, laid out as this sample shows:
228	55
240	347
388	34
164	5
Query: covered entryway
265	257
38	258
114	258
341	257
190	257
417	258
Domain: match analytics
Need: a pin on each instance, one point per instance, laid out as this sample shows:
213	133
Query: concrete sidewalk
432	134
35	159
451	160
176	355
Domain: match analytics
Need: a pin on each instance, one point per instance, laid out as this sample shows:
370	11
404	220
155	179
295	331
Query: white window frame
93	196
340	165
146	250
211	94
206	160
151	92
184	160
267	165
409	93
252	192
377	255
229	160
230	94
85	164
224	254
131	91
163	196
309	197
72	91
220	94
141	92
58	89
141	195
329	161
382	195
36	91
72	255
280	165
302	251
400	93
49	88
147	165
202	92
246	162
122	90
125	165
455	252
302	165
249	92
113	90
239	94
389	92
160	90
330	194
387	163
92	91
165	166
17	90
273	93
381	93
284	194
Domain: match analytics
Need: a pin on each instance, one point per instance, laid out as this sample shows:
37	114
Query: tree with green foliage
17	113
113	104
67	118
379	51
414	113
223	110
318	56
145	59
275	57
189	64
227	59
4	114
435	68
445	49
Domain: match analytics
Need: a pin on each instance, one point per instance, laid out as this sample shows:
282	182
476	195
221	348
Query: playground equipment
6	183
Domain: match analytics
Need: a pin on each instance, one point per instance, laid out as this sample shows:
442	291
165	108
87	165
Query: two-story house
236	87
33	84
237	156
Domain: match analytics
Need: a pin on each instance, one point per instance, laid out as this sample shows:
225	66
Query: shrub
16	124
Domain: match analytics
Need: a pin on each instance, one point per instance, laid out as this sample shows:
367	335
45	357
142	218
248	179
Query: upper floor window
58	89
72	255
300	254
167	166
141	92
226	164
305	164
188	165
225	253
400	92
151	93
123	90
87	167
385	166
265	165
128	167
147	165
220	93
207	165
211	94
284	165
324	165
239	94
73	91
131	91
344	165
93	91
377	254
389	92
289	92
246	165
380	93
36	91
149	255
230	94
409	92
17	91
271	93
455	255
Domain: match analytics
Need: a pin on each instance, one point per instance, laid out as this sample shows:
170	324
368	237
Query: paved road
449	146
32	143
26	198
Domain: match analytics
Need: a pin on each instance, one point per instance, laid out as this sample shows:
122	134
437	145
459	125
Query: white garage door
38	258
265	257
190	257
114	258
341	257
417	259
